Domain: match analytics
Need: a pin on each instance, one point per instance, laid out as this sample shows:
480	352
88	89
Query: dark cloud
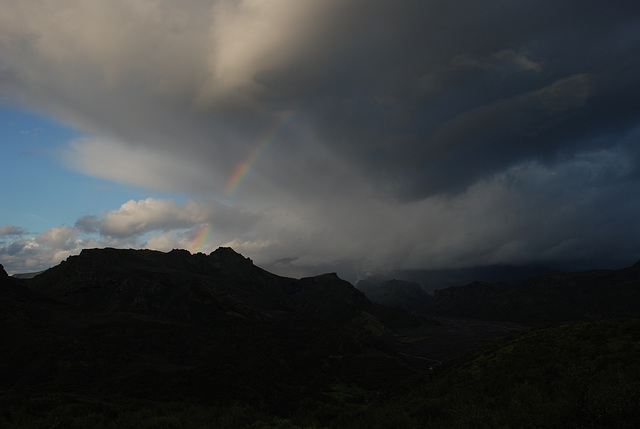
424	133
495	90
14	248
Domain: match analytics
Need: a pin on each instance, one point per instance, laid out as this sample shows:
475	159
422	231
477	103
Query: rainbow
201	237
242	169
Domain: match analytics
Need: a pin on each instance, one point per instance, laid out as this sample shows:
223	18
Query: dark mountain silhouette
134	338
207	288
176	285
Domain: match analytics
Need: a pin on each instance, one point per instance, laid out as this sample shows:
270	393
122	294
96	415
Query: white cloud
168	241
59	237
137	217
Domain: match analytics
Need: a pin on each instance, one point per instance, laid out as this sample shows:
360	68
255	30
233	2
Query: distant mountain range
393	292
27	275
138	338
596	294
431	280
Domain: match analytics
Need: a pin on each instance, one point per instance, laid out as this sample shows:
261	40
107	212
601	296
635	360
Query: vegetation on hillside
124	339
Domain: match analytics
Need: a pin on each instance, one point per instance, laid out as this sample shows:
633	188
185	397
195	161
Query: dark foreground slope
579	375
208	330
123	339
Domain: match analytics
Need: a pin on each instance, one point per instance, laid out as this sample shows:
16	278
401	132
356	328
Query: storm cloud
418	134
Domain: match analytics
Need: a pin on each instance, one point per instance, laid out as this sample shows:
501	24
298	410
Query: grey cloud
515	113
88	224
12	230
381	84
14	248
417	125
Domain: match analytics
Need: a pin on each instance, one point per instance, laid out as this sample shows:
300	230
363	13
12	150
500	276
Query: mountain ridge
214	287
128	338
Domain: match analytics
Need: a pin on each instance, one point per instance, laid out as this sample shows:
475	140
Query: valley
430	346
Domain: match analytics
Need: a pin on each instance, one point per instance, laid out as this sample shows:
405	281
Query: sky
355	136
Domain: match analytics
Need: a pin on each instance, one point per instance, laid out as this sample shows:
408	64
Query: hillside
123	339
578	375
207	329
